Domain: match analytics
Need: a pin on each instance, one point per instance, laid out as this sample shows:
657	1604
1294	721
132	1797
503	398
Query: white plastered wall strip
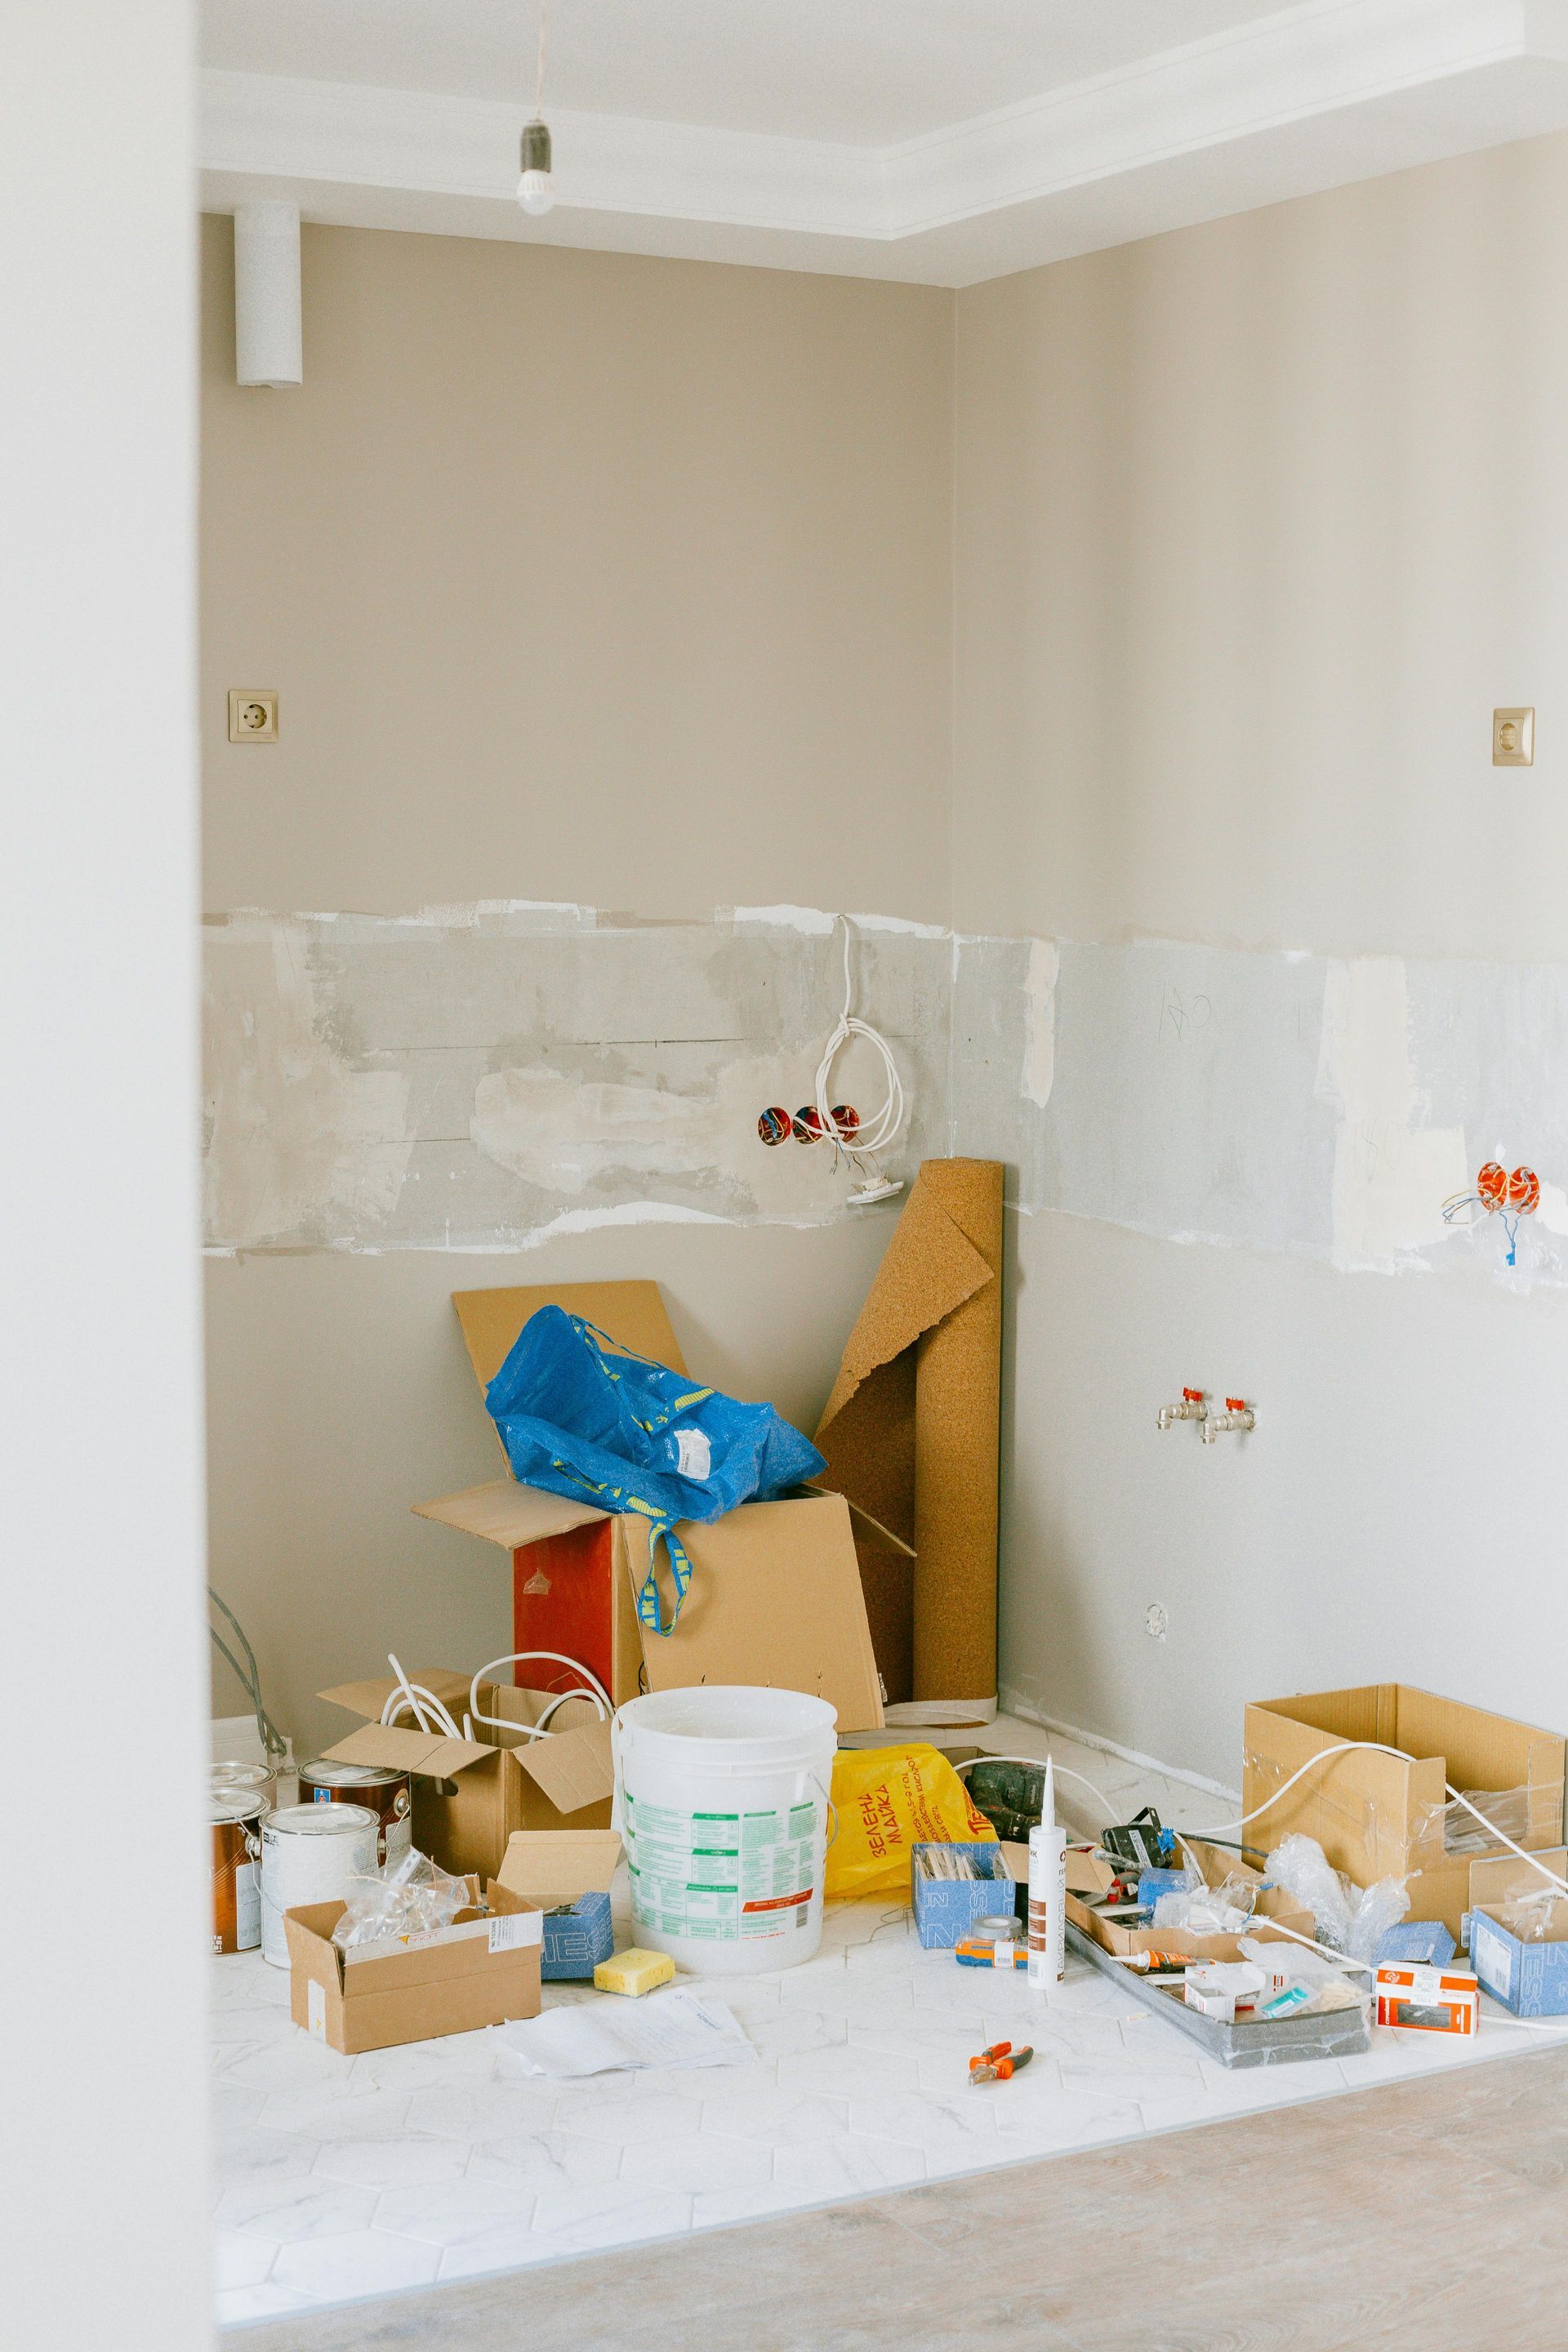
483	1078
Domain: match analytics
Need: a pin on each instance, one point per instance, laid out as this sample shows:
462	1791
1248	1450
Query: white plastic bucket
723	1801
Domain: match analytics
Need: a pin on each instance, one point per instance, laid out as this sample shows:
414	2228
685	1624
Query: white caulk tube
1048	1893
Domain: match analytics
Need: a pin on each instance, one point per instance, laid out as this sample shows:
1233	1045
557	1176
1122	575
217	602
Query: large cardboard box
480	1972
1379	1817
775	1593
470	1795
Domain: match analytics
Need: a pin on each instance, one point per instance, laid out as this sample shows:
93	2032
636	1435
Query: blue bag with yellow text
581	1420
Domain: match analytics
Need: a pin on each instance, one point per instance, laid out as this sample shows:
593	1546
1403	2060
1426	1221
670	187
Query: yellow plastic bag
888	1799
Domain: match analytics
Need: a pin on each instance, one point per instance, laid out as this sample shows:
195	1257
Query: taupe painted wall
581	577
1256	524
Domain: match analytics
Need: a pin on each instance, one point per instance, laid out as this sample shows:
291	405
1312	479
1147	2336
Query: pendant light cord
538	79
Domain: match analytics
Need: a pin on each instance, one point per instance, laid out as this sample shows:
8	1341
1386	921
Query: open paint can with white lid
387	1793
237	1814
311	1854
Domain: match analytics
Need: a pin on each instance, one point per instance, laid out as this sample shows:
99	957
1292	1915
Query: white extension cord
877	1133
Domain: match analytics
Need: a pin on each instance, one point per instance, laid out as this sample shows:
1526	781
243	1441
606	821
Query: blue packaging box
946	1908
1426	1942
1528	1975
561	1868
575	1941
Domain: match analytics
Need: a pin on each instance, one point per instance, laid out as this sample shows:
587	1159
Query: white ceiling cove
938	140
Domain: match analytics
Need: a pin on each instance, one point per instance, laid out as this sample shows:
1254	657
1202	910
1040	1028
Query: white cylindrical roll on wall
267	336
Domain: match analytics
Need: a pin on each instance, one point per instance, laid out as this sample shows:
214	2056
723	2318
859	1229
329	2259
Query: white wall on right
1256	524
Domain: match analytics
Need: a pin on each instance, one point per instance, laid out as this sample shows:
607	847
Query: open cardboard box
1381	1817
482	1970
1272	1906
1524	1967
775	1595
553	1867
470	1795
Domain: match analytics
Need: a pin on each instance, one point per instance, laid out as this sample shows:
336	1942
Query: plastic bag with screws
413	1896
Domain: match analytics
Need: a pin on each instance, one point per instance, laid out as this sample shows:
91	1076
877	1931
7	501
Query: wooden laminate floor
1430	2215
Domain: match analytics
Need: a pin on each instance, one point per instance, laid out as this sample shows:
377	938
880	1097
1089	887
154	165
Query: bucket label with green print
729	1878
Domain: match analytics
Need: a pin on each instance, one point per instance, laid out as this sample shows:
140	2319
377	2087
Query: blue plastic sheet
581	1421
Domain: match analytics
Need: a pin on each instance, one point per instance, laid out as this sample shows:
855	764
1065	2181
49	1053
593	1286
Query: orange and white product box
1434	2000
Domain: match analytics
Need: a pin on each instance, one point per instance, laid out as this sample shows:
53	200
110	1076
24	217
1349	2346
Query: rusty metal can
388	1794
237	1814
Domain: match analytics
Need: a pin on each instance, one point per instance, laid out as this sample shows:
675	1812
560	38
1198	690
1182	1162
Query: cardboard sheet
911	1435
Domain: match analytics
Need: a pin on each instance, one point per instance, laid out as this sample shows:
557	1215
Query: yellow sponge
633	1971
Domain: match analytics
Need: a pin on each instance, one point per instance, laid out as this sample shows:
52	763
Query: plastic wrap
1507	1813
1200	1910
413	1896
1349	1918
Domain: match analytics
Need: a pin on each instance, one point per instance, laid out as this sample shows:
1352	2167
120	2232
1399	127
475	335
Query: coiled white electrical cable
596	1693
877	1133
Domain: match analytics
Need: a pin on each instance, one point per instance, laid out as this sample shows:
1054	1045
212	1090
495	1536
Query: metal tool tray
1250	2042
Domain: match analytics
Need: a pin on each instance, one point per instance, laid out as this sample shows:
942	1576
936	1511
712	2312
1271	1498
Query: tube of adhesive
1048	1893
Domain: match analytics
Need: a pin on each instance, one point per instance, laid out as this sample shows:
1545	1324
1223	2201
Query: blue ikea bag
632	1435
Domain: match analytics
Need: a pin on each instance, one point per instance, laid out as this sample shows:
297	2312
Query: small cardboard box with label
482	1970
1383	1816
1430	2000
470	1795
775	1596
568	1873
1519	1934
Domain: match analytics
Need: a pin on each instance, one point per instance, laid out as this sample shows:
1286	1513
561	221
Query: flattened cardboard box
454	1985
1379	1817
469	1795
775	1596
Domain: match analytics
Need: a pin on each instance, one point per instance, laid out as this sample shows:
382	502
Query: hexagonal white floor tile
848	2165
396	2162
280	2210
454	2211
481	2111
250	2152
628	2121
704	2160
553	2159
357	2263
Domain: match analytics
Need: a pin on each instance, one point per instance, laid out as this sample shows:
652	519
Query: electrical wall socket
1513	739
253	714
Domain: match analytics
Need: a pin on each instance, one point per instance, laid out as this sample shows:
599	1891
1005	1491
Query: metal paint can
258	1776
388	1794
237	1814
311	1854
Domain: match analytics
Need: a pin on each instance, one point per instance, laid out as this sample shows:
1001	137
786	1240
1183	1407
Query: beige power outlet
253	714
1513	739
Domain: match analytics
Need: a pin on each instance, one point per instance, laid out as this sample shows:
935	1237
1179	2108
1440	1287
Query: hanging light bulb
534	192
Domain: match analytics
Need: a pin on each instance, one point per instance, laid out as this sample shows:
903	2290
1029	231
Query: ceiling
862	73
938	140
